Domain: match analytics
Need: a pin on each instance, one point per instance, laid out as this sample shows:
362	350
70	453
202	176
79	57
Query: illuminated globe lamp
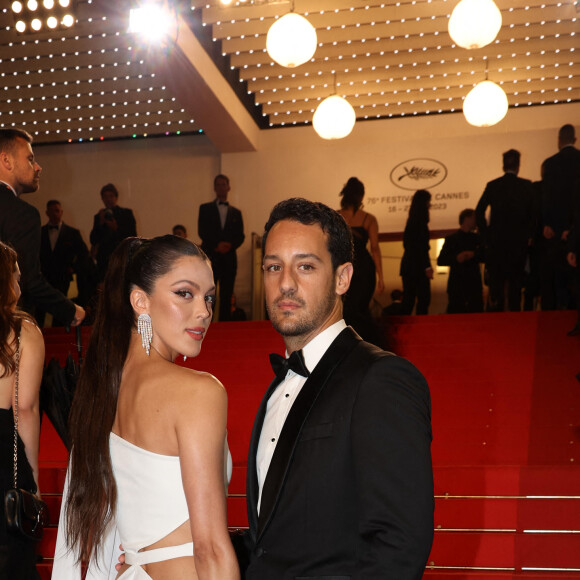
291	40
485	105
474	23
334	118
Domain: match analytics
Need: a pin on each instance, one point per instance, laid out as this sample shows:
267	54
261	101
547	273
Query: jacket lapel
296	419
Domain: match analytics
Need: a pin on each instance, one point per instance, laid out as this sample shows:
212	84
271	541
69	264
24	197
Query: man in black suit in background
221	229
110	227
560	197
20	226
508	233
62	252
339	480
462	252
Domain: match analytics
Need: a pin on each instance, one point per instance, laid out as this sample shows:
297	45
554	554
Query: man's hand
565	235
571	257
548	232
223	248
429	273
464	256
79	315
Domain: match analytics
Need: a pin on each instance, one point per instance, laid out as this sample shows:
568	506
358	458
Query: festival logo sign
418	174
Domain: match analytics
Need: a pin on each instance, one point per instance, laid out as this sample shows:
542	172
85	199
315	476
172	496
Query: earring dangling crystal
145	330
184	358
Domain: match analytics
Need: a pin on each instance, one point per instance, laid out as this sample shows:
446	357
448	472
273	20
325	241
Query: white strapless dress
150	505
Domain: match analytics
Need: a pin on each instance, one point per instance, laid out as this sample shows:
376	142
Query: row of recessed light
428	112
32	16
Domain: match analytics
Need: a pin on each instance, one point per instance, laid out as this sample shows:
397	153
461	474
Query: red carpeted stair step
506	424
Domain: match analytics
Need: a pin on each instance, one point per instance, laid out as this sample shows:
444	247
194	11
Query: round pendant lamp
474	23
334	118
291	40
485	105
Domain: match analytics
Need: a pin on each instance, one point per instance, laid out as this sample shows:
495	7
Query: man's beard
303	325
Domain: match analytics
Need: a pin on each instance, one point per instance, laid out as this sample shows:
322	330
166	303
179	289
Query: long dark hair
10	316
419	210
352	194
92	492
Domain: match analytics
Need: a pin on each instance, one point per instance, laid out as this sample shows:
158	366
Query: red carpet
506	424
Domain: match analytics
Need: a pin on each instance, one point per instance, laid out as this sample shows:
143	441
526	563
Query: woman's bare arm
201	432
376	250
30	376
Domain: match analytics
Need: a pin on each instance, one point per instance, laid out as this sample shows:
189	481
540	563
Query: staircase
506	424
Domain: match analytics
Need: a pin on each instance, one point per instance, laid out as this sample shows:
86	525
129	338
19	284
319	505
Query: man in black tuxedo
110	227
221	229
62	252
508	233
20	226
339	480
560	196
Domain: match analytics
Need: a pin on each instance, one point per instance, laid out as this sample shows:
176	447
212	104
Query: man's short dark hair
8	138
52	202
466	213
220	176
511	160
109	187
338	234
566	134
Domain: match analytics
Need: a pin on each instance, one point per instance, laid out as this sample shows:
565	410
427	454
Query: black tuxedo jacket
511	223
20	227
211	233
349	491
59	264
106	240
561	189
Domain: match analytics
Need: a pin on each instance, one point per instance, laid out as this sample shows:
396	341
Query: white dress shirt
53	234
283	398
223	211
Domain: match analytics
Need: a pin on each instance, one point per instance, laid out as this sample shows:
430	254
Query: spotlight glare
17	7
21	26
48	4
36	24
64	3
68	20
151	21
52	22
32	5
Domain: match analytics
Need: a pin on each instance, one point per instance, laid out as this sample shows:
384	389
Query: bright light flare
151	21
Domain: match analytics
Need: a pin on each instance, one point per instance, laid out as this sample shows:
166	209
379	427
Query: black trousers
416	288
224	275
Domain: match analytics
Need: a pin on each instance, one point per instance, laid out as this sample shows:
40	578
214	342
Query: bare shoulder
371	218
31	338
189	386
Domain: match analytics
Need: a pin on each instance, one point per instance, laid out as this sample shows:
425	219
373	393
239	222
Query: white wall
164	180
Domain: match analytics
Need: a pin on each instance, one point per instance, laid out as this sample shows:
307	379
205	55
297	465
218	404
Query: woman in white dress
149	451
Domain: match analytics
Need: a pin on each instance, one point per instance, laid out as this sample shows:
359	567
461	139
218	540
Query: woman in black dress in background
416	269
17	555
368	268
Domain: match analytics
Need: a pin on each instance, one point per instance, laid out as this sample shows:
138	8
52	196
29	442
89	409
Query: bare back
177	412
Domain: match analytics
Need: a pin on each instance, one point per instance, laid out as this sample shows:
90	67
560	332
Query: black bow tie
295	362
223	202
50	227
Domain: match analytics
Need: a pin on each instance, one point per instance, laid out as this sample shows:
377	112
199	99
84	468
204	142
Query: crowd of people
525	234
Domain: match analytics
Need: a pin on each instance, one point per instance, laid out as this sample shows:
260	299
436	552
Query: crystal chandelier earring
145	330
